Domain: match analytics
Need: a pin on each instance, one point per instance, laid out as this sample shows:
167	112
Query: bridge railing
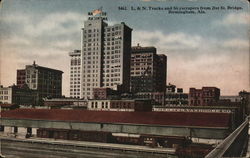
233	145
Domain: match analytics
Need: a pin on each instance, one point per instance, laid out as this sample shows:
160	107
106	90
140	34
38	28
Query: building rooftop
220	120
140	49
45	68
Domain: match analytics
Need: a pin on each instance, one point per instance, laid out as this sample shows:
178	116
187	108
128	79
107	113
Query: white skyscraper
105	55
75	74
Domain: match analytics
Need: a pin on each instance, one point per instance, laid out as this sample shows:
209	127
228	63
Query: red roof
155	118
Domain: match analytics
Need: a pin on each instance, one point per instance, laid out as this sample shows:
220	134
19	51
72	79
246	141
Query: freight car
151	140
123	138
93	136
164	141
120	138
52	133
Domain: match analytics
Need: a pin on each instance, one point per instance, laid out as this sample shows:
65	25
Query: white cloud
236	44
15	18
178	40
16	40
65	44
242	18
53	24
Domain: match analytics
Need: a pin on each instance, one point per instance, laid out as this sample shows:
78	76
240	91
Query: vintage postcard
124	78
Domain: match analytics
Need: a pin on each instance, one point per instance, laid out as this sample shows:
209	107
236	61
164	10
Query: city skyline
202	50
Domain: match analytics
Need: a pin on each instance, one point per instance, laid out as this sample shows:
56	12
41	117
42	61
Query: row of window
90	30
108	29
91	44
76	90
90	48
74	72
88	80
112	52
4	92
207	94
78	94
111	57
89	58
108	34
72	79
4	97
75	68
75	75
91	40
89	85
74	82
112	43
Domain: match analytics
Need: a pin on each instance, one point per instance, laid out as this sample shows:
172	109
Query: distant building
105	93
6	95
175	97
21	76
148	70
105	53
7	107
245	99
15	95
120	105
57	103
45	81
158	98
207	96
231	98
75	74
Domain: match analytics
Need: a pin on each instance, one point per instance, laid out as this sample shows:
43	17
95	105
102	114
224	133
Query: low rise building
6	107
158	98
16	95
5	95
207	96
57	103
175	96
120	105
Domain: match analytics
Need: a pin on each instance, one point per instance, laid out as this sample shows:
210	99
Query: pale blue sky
210	49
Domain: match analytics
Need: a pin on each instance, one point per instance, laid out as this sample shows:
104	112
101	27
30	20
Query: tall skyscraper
148	70
106	52
75	74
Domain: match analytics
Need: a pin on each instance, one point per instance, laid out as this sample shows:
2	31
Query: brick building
21	76
175	96
207	96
